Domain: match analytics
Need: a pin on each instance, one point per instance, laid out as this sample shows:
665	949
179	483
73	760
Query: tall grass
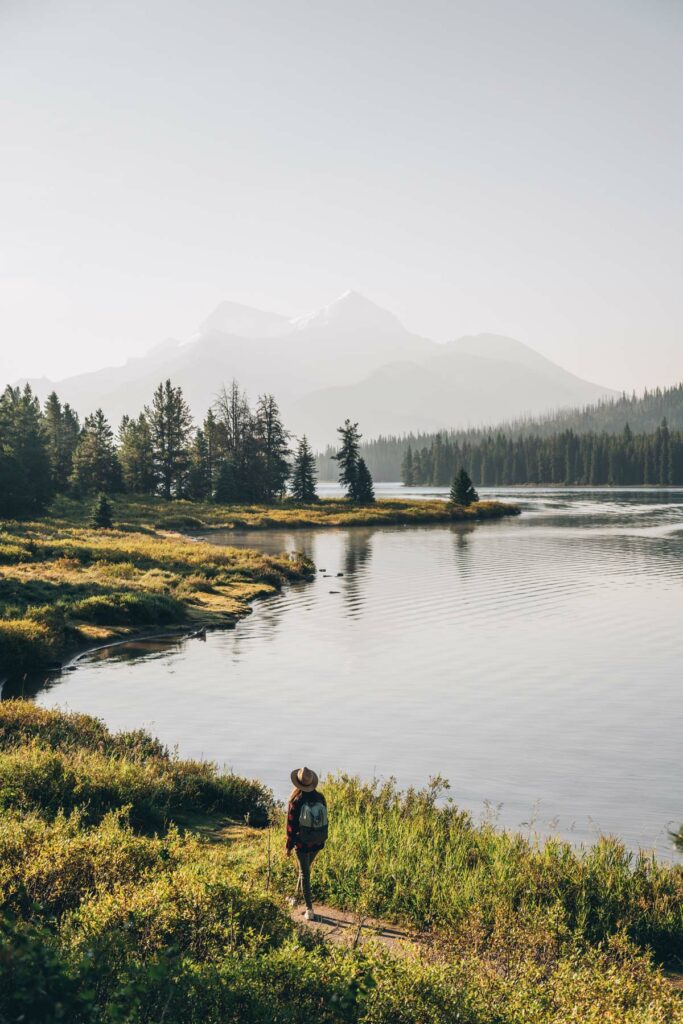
101	924
416	858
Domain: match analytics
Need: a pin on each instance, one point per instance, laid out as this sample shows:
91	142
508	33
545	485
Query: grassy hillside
114	909
63	584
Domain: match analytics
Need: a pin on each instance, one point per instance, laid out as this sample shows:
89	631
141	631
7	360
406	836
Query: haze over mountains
350	358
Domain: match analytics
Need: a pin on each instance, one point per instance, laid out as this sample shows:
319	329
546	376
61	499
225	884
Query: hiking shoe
310	914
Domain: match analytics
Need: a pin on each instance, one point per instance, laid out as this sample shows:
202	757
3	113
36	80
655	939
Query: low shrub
24	644
120	609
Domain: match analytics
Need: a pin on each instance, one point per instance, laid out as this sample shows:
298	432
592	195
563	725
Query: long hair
294	794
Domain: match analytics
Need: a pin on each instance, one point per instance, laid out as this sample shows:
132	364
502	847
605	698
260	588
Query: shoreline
71	589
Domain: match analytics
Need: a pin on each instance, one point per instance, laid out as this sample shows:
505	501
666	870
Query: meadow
65	585
133	890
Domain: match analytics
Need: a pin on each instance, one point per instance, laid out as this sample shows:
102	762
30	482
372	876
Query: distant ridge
350	358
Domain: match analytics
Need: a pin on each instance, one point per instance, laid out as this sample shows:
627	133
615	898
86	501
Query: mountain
350	358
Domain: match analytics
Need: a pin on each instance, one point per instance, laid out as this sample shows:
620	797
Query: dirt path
349	929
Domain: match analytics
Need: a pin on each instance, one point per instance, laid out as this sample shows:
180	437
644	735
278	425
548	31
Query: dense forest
564	458
238	454
641	414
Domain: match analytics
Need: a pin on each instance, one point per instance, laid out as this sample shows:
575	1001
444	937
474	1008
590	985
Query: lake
536	663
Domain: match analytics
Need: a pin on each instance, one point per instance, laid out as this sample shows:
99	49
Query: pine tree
62	431
170	425
239	445
462	489
407	470
95	463
199	477
304	474
364	492
101	518
136	456
25	476
347	457
227	490
272	439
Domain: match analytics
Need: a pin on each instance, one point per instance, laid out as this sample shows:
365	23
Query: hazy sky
513	166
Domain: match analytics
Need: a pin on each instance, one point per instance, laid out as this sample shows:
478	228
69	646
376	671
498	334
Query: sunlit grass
63	584
113	913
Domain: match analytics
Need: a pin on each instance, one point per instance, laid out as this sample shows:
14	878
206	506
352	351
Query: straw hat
304	779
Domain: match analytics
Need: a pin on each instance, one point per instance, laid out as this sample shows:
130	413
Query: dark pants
305	858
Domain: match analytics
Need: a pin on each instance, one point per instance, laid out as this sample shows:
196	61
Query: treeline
642	413
564	458
238	455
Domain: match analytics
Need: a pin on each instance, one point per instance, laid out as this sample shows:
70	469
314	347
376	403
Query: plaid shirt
293	811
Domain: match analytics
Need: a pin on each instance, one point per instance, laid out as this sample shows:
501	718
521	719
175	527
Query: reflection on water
535	662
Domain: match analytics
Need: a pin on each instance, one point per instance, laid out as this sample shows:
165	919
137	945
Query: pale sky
511	166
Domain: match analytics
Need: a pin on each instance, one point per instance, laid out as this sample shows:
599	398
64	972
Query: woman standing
306	830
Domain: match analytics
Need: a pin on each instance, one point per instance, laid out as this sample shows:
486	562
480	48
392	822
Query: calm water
536	663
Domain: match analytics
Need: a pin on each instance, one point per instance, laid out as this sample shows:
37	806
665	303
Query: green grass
199	516
110	916
64	585
420	859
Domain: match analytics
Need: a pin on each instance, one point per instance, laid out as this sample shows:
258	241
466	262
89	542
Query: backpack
313	823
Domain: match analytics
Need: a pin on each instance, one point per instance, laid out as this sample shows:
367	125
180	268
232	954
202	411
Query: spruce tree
101	518
407	470
170	425
227	490
347	457
25	475
199	477
95	464
238	443
62	431
462	490
304	474
273	452
365	492
136	456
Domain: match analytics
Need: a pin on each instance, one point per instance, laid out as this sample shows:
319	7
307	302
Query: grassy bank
65	585
193	515
112	914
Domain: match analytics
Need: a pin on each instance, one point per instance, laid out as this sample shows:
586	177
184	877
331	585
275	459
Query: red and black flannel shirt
293	811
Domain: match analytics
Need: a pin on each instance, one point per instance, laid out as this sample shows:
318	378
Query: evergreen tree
95	463
227	490
25	477
272	439
347	457
462	490
170	425
199	477
239	445
62	431
407	469
101	518
136	456
364	491
304	474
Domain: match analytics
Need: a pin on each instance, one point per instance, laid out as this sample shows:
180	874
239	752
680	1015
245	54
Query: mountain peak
350	310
